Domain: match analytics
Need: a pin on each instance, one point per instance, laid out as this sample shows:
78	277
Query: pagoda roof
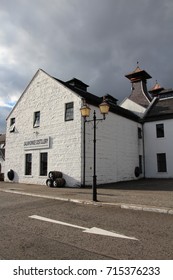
156	87
138	74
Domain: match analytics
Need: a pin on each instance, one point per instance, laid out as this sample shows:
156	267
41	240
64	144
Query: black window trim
71	106
30	173
36	118
161	163
160	133
41	173
12	125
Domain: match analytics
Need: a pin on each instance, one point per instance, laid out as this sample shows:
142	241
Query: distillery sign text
42	143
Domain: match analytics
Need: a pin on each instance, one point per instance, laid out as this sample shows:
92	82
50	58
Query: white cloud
3	104
7	56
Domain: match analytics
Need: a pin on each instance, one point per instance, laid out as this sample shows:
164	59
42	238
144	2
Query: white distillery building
45	133
158	136
155	107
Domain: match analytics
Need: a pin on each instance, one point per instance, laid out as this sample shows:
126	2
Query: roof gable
24	92
89	97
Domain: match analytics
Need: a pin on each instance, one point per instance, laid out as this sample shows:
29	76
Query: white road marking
93	230
55	222
100	231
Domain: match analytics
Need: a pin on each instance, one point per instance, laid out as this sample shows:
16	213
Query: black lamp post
85	112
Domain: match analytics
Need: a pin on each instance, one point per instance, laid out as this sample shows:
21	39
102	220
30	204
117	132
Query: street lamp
85	112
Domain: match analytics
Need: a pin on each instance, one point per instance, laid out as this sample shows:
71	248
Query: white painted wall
154	145
46	95
118	149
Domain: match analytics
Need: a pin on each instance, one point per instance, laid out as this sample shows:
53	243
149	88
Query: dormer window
12	125
36	119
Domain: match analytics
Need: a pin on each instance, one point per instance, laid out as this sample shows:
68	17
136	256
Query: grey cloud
97	41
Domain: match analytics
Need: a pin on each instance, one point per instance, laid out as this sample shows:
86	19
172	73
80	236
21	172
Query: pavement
153	195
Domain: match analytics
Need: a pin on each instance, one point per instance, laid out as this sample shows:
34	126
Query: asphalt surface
26	234
155	195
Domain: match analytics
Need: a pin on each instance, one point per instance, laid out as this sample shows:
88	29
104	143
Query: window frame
12	125
140	164
160	132
69	111
36	119
42	167
28	165
161	163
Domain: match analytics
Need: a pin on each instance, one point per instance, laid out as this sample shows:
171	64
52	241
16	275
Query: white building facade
158	135
156	113
45	133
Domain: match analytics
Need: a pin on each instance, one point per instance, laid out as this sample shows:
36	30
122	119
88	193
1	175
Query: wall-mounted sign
42	143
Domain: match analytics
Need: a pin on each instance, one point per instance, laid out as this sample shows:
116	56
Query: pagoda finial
137	69
138	65
156	87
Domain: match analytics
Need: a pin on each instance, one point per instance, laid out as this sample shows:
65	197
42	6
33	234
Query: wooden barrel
55	174
49	183
59	183
10	175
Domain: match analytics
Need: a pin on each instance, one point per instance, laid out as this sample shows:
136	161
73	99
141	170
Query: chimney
77	84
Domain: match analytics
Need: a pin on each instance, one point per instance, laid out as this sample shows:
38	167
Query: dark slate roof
77	83
140	95
96	101
160	110
166	93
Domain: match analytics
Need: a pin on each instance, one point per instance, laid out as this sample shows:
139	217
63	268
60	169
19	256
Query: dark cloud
97	41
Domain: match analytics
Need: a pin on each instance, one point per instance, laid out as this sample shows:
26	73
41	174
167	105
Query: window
160	130
161	162
139	133
12	125
69	111
36	119
43	164
28	164
140	164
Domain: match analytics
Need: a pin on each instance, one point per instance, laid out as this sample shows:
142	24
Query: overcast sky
96	41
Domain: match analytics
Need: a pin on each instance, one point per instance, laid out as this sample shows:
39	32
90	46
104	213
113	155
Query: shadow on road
142	184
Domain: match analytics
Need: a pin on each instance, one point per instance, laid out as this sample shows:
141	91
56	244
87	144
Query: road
23	236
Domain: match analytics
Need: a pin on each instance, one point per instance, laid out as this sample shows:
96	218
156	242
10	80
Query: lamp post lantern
85	112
